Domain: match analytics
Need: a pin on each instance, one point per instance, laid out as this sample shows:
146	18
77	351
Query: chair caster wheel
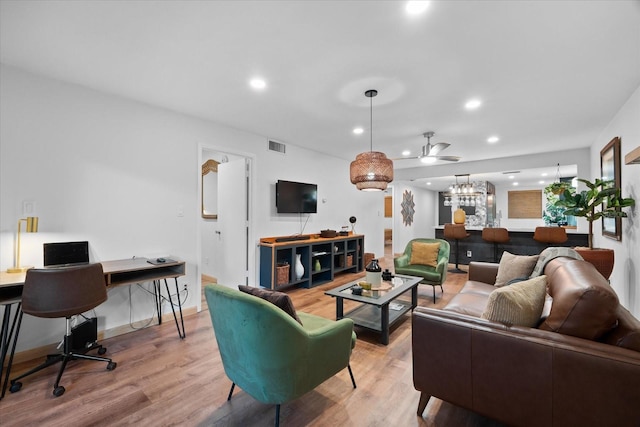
58	391
15	387
111	366
102	351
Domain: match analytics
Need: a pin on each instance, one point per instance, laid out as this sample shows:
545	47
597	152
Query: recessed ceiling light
544	174
406	152
493	139
258	83
472	104
416	7
428	159
358	131
511	176
515	183
428	183
541	181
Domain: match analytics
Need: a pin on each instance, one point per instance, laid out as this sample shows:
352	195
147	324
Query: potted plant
600	200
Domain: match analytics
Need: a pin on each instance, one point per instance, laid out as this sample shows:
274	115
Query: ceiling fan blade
447	158
436	148
406	158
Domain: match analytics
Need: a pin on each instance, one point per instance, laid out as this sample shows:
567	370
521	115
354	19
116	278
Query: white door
232	232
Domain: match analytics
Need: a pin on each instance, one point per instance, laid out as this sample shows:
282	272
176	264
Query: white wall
118	173
625	278
425	217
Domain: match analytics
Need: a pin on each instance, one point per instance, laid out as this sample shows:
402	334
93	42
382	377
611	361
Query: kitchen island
520	243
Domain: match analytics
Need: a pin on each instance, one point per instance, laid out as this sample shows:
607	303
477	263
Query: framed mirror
209	196
610	170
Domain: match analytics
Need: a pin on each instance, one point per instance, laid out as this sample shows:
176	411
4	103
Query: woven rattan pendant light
371	170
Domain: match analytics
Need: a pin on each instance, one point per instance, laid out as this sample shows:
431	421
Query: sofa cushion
584	304
424	253
519	304
514	266
279	299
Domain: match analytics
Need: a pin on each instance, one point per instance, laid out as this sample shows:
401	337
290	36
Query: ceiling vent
277	147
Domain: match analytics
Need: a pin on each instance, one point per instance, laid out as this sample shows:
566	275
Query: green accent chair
431	276
270	355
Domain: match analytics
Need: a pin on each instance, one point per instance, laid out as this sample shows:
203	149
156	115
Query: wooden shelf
633	157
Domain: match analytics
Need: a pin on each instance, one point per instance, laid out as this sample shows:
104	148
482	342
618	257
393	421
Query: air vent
277	147
510	172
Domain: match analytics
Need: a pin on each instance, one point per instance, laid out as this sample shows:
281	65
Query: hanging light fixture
371	170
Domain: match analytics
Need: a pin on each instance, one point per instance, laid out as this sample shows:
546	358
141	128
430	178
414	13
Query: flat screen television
296	197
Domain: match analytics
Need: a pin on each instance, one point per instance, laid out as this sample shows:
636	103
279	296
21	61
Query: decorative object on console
31	227
352	220
372	170
328	233
408	207
373	273
299	268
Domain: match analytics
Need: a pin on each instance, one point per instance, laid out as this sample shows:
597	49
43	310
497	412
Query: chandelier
371	170
462	194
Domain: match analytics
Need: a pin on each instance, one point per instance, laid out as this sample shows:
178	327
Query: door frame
251	254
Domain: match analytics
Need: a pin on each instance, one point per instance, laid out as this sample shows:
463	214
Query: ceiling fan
430	152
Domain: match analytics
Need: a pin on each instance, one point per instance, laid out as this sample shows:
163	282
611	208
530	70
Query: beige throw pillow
514	266
519	304
424	253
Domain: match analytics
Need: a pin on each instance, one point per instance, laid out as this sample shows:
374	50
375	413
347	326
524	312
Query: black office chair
64	292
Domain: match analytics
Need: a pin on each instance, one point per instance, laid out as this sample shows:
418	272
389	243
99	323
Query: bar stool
495	236
550	235
455	232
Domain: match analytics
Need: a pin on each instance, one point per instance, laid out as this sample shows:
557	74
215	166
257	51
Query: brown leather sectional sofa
579	367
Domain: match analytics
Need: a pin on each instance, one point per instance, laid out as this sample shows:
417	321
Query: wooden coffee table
379	309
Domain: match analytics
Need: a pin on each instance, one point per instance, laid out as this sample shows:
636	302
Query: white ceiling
551	74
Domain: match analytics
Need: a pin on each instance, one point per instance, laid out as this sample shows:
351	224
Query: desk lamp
32	227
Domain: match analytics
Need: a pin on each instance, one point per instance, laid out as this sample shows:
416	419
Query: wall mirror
209	186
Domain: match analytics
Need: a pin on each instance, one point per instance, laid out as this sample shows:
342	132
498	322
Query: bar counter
520	243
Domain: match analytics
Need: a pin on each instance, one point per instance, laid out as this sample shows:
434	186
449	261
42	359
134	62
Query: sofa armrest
485	272
480	365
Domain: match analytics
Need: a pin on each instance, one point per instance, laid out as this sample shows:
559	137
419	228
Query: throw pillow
424	253
513	266
519	304
279	299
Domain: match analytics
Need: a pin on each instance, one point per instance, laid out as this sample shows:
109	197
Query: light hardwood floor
162	380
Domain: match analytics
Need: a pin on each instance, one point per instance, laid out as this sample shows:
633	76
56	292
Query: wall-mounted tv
296	197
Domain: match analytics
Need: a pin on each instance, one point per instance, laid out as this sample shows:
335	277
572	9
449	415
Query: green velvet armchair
268	354
434	276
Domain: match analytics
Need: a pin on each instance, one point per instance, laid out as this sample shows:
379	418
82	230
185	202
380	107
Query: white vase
299	268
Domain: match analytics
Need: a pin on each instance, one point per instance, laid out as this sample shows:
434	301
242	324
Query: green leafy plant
600	200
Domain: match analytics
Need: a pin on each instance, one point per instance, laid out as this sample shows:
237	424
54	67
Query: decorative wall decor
610	171
407	208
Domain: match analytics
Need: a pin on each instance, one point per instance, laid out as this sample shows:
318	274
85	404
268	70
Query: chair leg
457	269
233	385
434	293
424	399
277	415
353	381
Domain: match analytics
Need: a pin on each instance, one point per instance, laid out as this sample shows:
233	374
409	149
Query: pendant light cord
371	121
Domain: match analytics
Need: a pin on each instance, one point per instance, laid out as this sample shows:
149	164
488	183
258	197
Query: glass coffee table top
387	291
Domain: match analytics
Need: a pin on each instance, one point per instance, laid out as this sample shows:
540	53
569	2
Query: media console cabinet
321	259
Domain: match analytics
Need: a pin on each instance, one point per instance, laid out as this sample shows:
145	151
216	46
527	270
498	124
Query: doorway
224	248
